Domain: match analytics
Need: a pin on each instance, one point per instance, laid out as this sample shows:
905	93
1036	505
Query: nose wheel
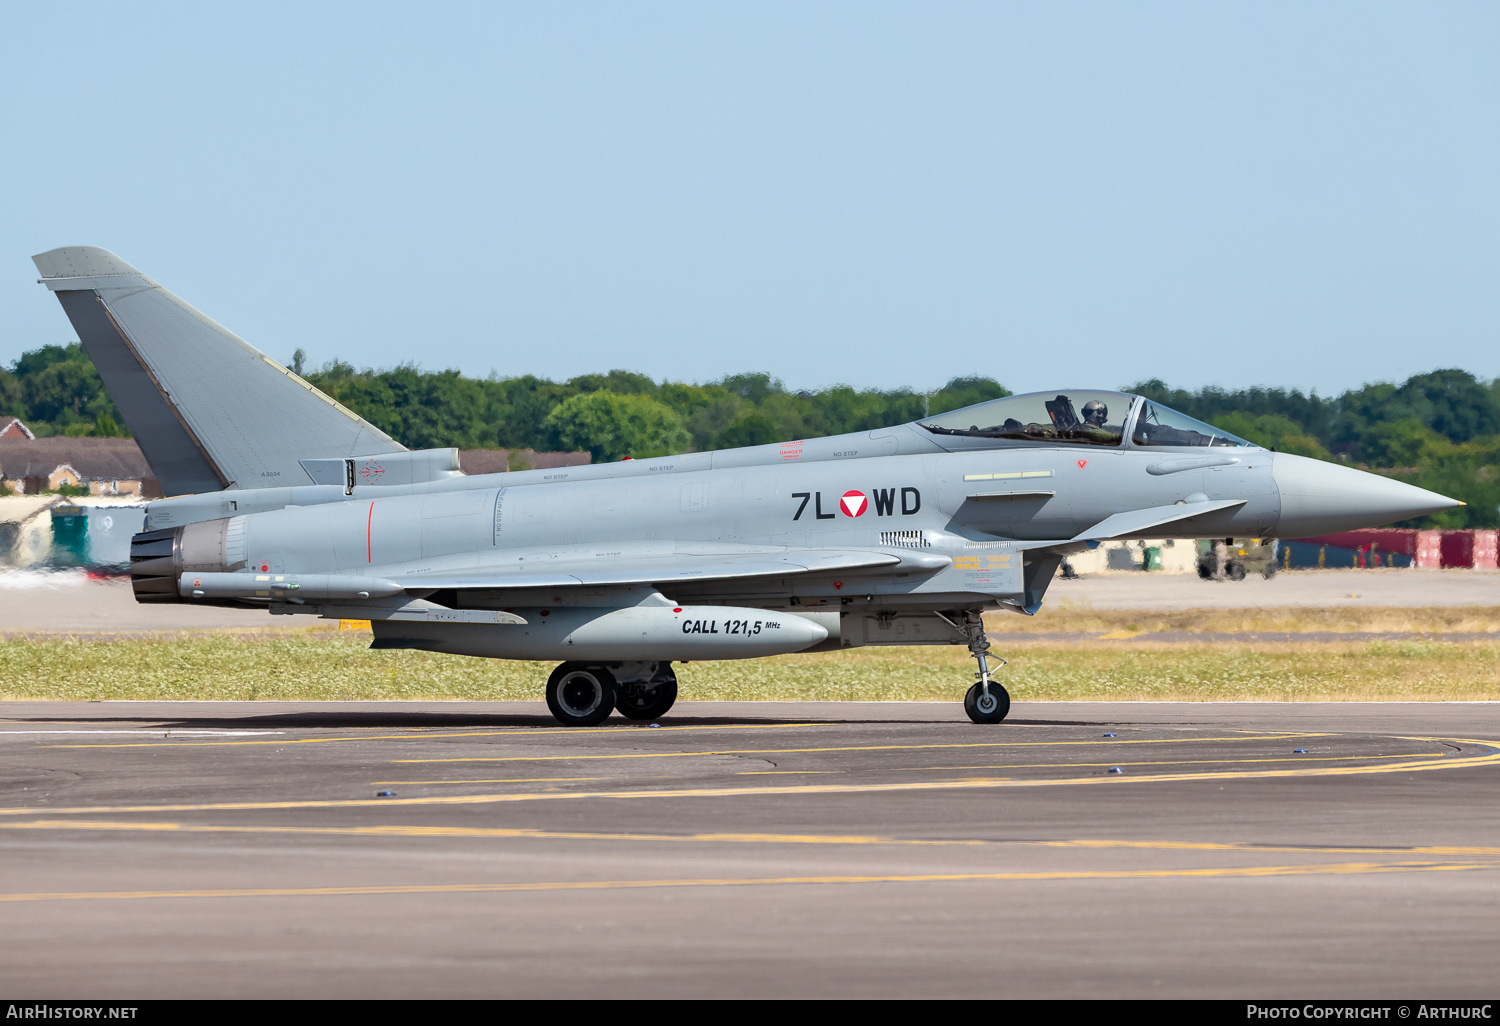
987	706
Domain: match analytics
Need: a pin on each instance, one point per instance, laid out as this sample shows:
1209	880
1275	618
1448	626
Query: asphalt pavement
749	850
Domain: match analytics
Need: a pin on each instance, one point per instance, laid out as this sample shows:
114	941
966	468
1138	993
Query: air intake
905	539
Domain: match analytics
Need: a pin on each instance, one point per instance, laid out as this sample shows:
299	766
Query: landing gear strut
987	701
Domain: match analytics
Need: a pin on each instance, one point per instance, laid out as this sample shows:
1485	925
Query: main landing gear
987	701
648	698
584	694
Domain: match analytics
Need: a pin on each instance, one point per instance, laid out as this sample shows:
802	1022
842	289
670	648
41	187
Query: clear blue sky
1301	194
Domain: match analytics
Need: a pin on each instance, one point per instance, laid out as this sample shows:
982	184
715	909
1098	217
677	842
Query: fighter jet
279	498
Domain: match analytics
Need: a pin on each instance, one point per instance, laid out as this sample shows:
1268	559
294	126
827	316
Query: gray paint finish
179	463
253	419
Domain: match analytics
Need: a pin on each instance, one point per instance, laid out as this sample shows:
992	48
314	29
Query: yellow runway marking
475	832
973	783
1337	869
1153	762
1424	849
414	736
506	780
1068	765
503	833
858	748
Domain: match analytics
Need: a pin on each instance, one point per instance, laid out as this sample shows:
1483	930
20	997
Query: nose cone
1322	498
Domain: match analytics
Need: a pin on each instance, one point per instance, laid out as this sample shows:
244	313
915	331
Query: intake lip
1324	498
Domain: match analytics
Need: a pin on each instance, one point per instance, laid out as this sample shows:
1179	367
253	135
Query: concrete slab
70	602
1290	588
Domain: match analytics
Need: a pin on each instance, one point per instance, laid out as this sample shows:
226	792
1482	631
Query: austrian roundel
854	504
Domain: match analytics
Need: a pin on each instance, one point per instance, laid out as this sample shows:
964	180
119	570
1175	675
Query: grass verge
324	666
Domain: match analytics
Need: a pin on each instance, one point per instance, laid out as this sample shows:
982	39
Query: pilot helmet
1095	412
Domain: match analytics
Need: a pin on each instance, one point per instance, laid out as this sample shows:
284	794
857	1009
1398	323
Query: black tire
645	701
1236	571
581	696
974	700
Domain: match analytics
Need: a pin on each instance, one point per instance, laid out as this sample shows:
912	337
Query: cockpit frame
1064	426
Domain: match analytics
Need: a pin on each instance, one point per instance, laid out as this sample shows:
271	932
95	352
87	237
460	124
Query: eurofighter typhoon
280	498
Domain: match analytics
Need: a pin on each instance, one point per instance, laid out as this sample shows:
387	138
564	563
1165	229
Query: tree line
1439	430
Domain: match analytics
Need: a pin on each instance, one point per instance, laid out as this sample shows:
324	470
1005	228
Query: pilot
1095	414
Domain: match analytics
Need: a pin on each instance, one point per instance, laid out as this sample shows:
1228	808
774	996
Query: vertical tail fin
209	410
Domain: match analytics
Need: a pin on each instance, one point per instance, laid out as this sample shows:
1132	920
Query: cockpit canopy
1083	417
1157	425
1091	418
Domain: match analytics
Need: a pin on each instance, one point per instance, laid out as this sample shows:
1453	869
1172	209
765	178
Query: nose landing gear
987	701
987	706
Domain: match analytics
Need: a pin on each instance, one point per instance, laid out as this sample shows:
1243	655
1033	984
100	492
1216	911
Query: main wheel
991	708
581	696
645	701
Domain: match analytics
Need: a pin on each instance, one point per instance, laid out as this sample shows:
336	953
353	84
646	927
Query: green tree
105	426
755	428
754	387
60	389
961	392
1273	432
612	426
620	382
1451	402
707	423
11	395
1469	472
1310	413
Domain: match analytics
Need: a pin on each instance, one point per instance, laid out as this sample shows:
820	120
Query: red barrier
1428	549
1385	539
1486	550
1458	548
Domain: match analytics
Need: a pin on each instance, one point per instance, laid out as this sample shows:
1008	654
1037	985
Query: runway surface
1304	588
841	849
1241	637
